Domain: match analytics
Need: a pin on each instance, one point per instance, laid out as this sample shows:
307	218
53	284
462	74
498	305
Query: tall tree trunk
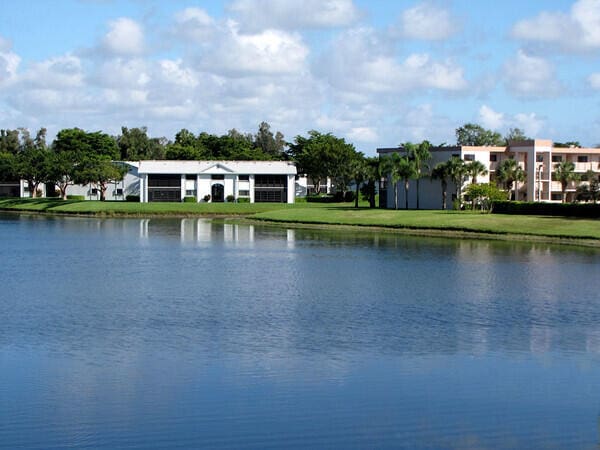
406	194
444	194
396	195
356	197
371	194
103	193
418	207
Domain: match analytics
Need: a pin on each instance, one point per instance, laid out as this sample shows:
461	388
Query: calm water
199	334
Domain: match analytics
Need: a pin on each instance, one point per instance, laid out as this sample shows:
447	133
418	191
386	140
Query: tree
420	154
594	187
8	167
456	171
485	195
516	134
99	172
473	134
399	168
270	145
373	170
9	141
510	173
564	172
441	172
360	173
134	145
475	169
323	155
33	160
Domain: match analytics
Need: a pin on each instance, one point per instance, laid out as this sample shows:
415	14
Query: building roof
215	167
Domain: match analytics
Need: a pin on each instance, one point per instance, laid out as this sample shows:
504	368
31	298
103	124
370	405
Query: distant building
537	157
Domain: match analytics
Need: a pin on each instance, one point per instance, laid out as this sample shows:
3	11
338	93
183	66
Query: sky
377	73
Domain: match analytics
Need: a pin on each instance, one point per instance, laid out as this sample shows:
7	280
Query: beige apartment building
537	157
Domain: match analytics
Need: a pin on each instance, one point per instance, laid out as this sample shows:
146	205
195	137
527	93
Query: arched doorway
217	193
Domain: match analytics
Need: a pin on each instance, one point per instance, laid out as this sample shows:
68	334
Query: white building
537	157
213	181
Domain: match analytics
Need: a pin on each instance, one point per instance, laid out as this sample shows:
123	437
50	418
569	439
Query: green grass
118	208
332	214
548	226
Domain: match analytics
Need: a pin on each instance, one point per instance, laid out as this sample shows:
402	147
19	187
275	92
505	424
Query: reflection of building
215	181
537	157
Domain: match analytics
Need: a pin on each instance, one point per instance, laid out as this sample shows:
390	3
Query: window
493	158
244	193
556	196
470	157
217	177
118	192
582	159
93	191
539	158
556	158
190	192
244	177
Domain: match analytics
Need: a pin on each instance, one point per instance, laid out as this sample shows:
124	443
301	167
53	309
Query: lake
196	333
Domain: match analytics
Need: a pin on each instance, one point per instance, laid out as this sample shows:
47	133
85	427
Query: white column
251	179
198	188
291	188
22	189
144	188
183	186
235	186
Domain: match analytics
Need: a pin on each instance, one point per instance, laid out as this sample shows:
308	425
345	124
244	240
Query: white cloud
9	62
531	77
194	24
125	37
363	134
576	30
285	14
490	118
359	61
594	80
427	21
529	122
268	52
61	72
122	73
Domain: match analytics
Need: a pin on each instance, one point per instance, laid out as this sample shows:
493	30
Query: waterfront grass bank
456	223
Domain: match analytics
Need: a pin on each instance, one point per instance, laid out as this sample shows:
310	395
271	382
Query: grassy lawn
331	214
562	227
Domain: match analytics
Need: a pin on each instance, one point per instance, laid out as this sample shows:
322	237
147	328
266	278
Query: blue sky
376	72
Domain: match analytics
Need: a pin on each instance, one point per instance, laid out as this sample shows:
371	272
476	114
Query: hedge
588	210
189	199
75	197
132	198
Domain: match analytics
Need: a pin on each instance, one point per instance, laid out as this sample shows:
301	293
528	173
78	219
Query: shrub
548	209
243	200
75	197
349	196
230	198
132	198
320	198
189	199
206	198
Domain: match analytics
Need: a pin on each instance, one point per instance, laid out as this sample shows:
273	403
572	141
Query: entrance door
218	193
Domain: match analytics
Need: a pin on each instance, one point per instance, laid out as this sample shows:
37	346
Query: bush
349	196
206	198
189	199
132	198
320	198
75	197
548	209
230	198
243	200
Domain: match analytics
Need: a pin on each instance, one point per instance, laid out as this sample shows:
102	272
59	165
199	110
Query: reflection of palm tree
510	172
564	172
440	172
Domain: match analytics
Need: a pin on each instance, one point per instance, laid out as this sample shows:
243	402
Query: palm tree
509	172
440	172
475	169
419	154
359	172
388	166
564	172
457	170
406	169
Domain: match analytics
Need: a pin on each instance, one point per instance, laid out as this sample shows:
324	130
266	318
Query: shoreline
395	229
